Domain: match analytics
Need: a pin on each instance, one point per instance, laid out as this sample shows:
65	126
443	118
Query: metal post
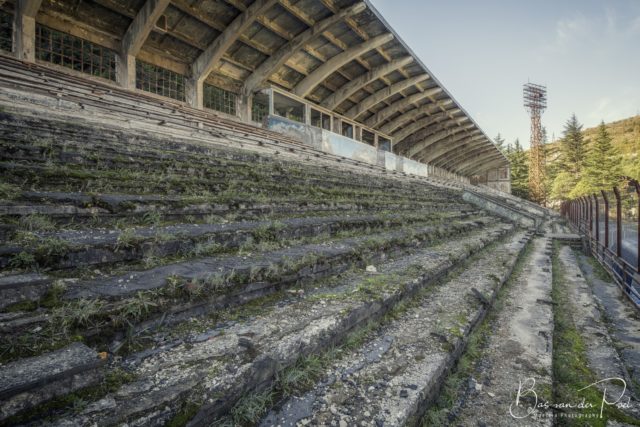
590	216
580	214
606	220
578	209
572	211
585	200
595	200
618	222
637	185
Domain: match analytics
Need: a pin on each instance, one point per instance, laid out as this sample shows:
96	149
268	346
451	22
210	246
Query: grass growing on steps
600	273
599	270
571	370
74	402
442	411
309	369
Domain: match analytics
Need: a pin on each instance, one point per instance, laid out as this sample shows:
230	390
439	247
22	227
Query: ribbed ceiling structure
340	54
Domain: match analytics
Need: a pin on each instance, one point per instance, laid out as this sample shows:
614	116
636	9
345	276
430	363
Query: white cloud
609	110
571	30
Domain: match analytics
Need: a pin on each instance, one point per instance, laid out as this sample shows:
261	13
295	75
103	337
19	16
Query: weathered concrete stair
244	356
28	382
393	376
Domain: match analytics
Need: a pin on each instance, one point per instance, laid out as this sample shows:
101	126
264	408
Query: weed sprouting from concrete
22	260
126	240
571	371
152	218
9	191
36	222
442	411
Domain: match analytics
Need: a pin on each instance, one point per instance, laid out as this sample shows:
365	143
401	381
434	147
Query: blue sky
587	53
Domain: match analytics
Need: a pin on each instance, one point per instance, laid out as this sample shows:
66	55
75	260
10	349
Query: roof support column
24	29
210	59
194	92
126	71
134	38
244	107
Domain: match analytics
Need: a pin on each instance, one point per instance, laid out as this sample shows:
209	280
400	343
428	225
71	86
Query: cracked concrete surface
519	351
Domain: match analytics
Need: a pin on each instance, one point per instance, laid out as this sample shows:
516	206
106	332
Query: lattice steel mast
535	101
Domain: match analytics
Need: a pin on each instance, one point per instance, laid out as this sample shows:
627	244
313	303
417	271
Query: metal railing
613	241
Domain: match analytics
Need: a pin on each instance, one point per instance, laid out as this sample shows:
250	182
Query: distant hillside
625	135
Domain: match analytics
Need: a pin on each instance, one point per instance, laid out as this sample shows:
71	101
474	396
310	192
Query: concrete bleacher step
108	246
31	140
155	146
79	204
212	165
16	288
62	179
29	382
101	308
391	378
250	251
519	347
607	357
241	356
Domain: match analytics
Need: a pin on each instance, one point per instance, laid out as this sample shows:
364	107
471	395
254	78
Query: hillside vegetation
582	161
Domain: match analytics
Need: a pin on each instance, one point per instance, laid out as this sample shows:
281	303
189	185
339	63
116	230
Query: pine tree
499	140
602	168
572	158
519	170
572	148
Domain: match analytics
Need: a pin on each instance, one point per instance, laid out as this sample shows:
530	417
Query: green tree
572	148
602	168
519	169
571	160
499	141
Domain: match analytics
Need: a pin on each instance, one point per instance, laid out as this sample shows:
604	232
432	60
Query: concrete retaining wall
502	210
333	143
339	145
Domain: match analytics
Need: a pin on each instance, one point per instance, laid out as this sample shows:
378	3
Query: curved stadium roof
340	54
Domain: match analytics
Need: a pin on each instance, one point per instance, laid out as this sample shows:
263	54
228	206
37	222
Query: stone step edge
425	393
236	297
69	254
430	395
26	374
213	411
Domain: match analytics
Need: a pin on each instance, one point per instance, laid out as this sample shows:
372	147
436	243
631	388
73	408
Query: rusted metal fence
610	220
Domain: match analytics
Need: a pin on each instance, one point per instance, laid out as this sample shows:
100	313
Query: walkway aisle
519	349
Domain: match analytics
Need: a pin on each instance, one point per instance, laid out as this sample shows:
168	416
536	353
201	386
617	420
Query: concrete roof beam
209	60
383	94
344	92
320	74
282	55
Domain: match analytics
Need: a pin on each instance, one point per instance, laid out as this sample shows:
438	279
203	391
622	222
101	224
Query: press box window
288	108
347	129
259	107
320	119
384	144
368	137
219	99
158	80
75	53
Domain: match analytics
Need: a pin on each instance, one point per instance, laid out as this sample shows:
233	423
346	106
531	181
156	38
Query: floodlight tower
535	101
